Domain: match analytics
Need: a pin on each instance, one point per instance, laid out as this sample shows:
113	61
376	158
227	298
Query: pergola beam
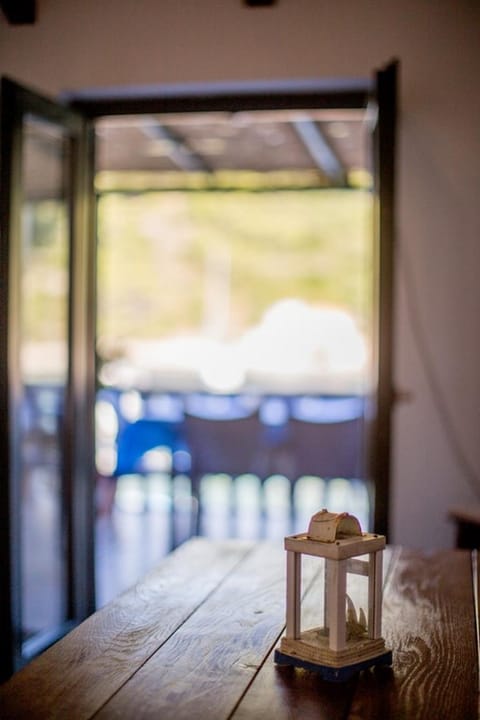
179	152
320	150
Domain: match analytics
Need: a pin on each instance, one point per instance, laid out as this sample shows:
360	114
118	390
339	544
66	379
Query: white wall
83	44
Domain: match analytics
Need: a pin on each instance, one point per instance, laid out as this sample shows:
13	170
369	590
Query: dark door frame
384	147
227	97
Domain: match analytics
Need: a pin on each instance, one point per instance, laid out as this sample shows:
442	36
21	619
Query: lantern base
331	673
313	646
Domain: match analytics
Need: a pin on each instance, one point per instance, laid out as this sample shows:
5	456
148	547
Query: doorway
235	276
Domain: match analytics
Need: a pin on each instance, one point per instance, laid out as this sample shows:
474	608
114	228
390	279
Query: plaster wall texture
436	450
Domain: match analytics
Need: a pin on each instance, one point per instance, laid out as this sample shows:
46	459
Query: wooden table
195	639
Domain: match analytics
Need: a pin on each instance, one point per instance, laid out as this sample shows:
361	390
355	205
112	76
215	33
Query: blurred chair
163	406
220	407
221	444
41	417
138	441
148	446
327	408
327	438
42	407
276	456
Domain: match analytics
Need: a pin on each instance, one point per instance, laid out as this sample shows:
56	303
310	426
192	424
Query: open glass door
46	375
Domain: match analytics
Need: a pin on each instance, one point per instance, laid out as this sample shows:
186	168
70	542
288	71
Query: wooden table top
195	639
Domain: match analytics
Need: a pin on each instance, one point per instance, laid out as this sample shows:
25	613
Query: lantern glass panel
312	608
357	598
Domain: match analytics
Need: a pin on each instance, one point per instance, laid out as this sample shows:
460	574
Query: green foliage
45	260
166	258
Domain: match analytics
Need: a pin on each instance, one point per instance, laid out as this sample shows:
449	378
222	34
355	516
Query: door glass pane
43	277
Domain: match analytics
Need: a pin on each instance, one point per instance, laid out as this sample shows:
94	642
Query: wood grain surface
75	677
195	640
210	661
429	622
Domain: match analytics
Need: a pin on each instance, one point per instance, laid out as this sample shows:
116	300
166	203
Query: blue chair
137	439
136	446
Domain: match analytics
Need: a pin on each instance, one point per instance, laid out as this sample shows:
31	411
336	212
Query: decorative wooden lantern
349	640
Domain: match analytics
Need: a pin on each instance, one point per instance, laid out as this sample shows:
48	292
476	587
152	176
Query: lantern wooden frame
328	650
